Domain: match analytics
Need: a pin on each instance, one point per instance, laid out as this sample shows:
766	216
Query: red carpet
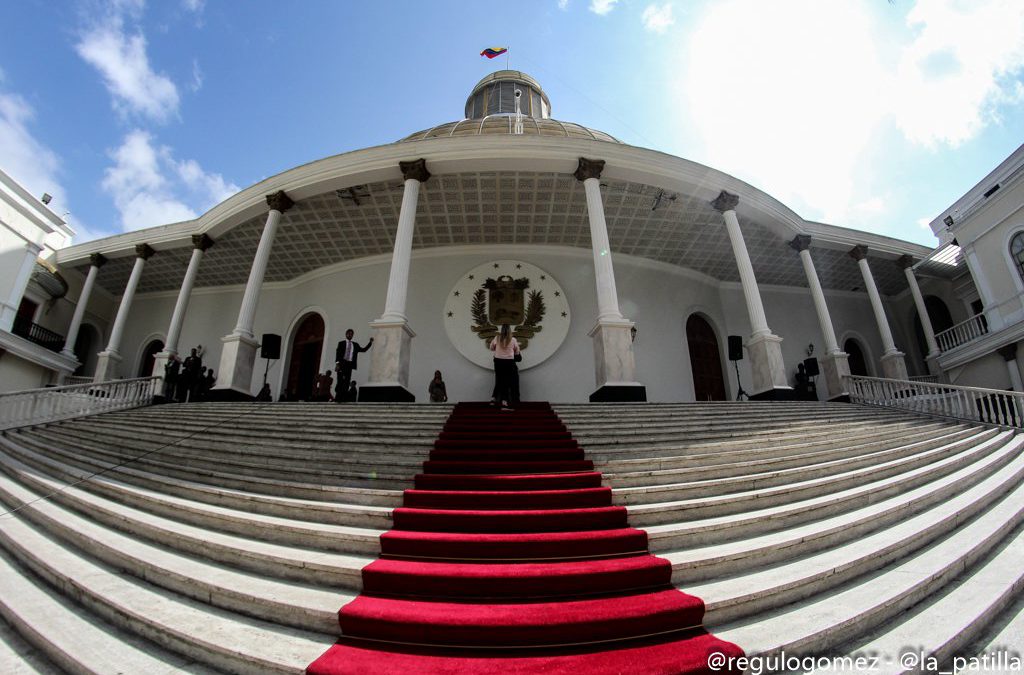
508	557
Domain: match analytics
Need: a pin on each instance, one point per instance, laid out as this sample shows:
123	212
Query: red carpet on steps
508	557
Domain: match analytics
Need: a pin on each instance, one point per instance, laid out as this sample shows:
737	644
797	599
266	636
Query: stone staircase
225	537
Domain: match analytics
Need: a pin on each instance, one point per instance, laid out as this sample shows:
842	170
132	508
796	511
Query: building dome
491	109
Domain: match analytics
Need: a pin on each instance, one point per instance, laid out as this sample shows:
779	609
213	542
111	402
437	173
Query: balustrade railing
37	406
988	406
962	333
33	332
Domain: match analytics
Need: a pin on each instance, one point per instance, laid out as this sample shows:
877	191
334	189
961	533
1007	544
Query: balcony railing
33	332
962	333
988	406
37	406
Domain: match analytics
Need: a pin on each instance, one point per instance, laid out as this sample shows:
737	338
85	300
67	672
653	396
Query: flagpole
508	55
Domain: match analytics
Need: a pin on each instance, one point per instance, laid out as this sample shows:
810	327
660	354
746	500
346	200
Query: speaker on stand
270	349
736	355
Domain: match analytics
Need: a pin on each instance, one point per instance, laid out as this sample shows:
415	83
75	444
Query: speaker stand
741	394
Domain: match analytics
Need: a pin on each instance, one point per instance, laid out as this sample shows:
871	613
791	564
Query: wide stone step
727	495
220	639
815	626
917	490
307	565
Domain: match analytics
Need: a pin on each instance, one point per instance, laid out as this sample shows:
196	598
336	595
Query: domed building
623	269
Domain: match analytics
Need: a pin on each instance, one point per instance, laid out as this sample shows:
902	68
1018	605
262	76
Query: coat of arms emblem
504	301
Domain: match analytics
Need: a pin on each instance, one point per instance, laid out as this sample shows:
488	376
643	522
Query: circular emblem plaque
507	291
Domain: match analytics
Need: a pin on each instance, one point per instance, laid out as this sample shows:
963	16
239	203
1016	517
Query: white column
9	308
907	263
391	354
835	362
988	301
398	280
893	365
589	172
200	242
279	202
238	354
614	361
106	366
97	261
767	367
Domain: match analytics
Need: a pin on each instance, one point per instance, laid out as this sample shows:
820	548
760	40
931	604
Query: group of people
187	380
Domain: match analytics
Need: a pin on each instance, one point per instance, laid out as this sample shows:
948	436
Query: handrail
962	333
38	406
996	407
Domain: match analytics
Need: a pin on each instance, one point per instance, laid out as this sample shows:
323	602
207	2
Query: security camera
518	93
46	198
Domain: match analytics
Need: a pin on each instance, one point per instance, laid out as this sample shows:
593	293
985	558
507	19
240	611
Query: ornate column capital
280	201
201	241
97	260
1008	352
725	201
801	242
858	252
588	168
416	170
905	261
144	251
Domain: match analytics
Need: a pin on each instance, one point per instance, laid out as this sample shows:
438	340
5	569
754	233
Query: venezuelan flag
491	52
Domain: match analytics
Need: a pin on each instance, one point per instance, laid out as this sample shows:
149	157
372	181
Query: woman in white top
505	348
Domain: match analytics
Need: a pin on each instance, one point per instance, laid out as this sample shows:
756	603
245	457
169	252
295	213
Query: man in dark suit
346	358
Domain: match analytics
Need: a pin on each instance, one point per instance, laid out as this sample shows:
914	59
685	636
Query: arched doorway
705	360
941	320
86	345
858	364
148	356
304	361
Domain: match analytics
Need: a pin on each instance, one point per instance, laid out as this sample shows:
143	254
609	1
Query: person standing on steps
438	392
346	358
506	349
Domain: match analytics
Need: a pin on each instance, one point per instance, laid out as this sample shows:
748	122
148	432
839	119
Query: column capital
280	201
725	201
905	261
858	252
97	260
144	251
1008	352
201	241
415	170
801	242
588	168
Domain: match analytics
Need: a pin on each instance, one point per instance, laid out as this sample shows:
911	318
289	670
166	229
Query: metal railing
33	332
988	406
77	379
924	378
37	406
962	333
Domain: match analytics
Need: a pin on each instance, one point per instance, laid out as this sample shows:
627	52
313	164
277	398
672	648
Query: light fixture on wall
810	349
632	333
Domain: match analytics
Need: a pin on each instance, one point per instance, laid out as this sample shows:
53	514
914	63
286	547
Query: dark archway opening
149	356
858	364
86	345
304	360
705	360
941	320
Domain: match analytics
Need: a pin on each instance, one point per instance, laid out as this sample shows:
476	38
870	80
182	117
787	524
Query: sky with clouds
868	114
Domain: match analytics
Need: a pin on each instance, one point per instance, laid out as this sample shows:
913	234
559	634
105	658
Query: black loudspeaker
735	348
811	367
270	347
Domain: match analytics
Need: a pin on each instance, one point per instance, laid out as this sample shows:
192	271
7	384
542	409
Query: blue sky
861	113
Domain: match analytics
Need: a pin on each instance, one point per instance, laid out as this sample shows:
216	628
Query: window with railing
1017	252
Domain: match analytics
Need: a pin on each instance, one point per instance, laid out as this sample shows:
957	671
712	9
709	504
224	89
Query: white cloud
197	76
784	99
658	19
150	187
925	223
122	61
955	71
563	4
194	5
602	7
25	159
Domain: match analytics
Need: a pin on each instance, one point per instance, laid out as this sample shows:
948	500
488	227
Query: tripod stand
740	395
